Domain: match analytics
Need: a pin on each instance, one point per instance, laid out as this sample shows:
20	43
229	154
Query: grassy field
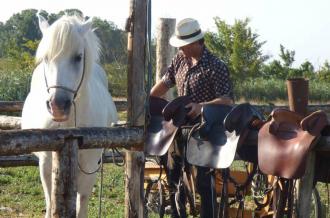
21	193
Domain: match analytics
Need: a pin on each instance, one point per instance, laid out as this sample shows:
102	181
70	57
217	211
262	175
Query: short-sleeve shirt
206	80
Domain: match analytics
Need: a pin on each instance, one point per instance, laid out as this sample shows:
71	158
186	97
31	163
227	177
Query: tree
324	73
20	35
287	56
238	47
282	69
113	41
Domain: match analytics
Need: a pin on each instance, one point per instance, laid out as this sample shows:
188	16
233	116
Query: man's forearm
221	100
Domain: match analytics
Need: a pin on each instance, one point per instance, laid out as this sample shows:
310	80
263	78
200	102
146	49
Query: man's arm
159	89
221	100
197	107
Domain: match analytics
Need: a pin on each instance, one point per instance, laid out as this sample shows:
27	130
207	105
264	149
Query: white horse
69	89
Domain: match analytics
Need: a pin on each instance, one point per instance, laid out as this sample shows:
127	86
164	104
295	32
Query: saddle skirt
285	140
239	124
215	141
205	144
165	120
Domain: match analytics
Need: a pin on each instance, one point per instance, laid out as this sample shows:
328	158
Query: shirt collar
205	54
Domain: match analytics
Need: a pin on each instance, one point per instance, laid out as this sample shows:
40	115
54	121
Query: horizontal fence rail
32	160
10	122
11	106
15	142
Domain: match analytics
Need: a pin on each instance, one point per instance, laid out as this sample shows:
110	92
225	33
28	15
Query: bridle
74	92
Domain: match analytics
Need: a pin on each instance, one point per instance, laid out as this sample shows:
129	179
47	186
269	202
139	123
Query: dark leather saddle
240	123
165	120
285	140
213	143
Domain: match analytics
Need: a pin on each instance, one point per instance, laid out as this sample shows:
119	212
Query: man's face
190	50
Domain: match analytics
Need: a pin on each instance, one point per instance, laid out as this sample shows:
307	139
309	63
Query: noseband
74	92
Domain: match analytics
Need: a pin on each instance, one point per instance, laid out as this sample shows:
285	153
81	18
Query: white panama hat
187	31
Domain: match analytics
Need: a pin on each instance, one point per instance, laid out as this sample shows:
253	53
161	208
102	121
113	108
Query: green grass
21	193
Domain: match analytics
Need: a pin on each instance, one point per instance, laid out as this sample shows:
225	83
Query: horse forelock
64	36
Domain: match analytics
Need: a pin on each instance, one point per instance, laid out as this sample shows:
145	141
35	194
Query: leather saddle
165	119
238	124
285	140
213	143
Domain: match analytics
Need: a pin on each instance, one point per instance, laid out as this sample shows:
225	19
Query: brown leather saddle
285	140
213	143
165	119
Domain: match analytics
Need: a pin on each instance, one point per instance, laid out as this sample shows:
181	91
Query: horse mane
64	35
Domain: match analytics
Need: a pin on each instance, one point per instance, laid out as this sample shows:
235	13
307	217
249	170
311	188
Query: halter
74	92
74	105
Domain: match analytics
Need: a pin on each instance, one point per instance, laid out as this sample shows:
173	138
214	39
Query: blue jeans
175	162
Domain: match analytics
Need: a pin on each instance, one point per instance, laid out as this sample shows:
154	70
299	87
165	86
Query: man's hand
195	109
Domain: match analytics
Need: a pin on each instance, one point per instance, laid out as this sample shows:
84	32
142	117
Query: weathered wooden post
136	27
164	51
298	102
64	180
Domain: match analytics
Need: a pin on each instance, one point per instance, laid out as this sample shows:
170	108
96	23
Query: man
205	79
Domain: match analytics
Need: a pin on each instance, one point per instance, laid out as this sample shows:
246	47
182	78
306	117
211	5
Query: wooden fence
66	143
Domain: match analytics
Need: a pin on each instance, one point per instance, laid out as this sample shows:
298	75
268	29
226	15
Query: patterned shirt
205	81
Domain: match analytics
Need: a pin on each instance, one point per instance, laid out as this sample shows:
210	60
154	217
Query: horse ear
87	26
43	23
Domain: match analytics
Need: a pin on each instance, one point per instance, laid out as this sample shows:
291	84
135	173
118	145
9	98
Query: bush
117	79
274	90
14	85
261	90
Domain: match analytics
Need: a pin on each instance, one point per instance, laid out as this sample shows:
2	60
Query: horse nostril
48	105
67	104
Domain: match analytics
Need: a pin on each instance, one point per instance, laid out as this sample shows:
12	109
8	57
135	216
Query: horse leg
88	162
45	168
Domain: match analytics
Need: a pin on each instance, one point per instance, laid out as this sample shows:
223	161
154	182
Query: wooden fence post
134	190
64	180
298	102
164	51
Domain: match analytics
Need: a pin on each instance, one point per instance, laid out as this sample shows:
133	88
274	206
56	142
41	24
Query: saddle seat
223	128
285	140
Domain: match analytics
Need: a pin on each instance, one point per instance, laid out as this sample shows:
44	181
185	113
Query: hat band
190	35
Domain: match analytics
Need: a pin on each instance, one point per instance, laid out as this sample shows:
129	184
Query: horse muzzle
59	108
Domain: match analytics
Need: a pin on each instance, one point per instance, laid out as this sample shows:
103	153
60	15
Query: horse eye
78	58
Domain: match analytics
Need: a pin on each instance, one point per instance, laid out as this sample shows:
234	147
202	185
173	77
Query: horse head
65	53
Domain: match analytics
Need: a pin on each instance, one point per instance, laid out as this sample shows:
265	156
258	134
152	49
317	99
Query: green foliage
260	90
238	47
319	91
287	56
20	35
21	192
19	38
274	90
282	69
324	73
14	84
117	79
113	41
